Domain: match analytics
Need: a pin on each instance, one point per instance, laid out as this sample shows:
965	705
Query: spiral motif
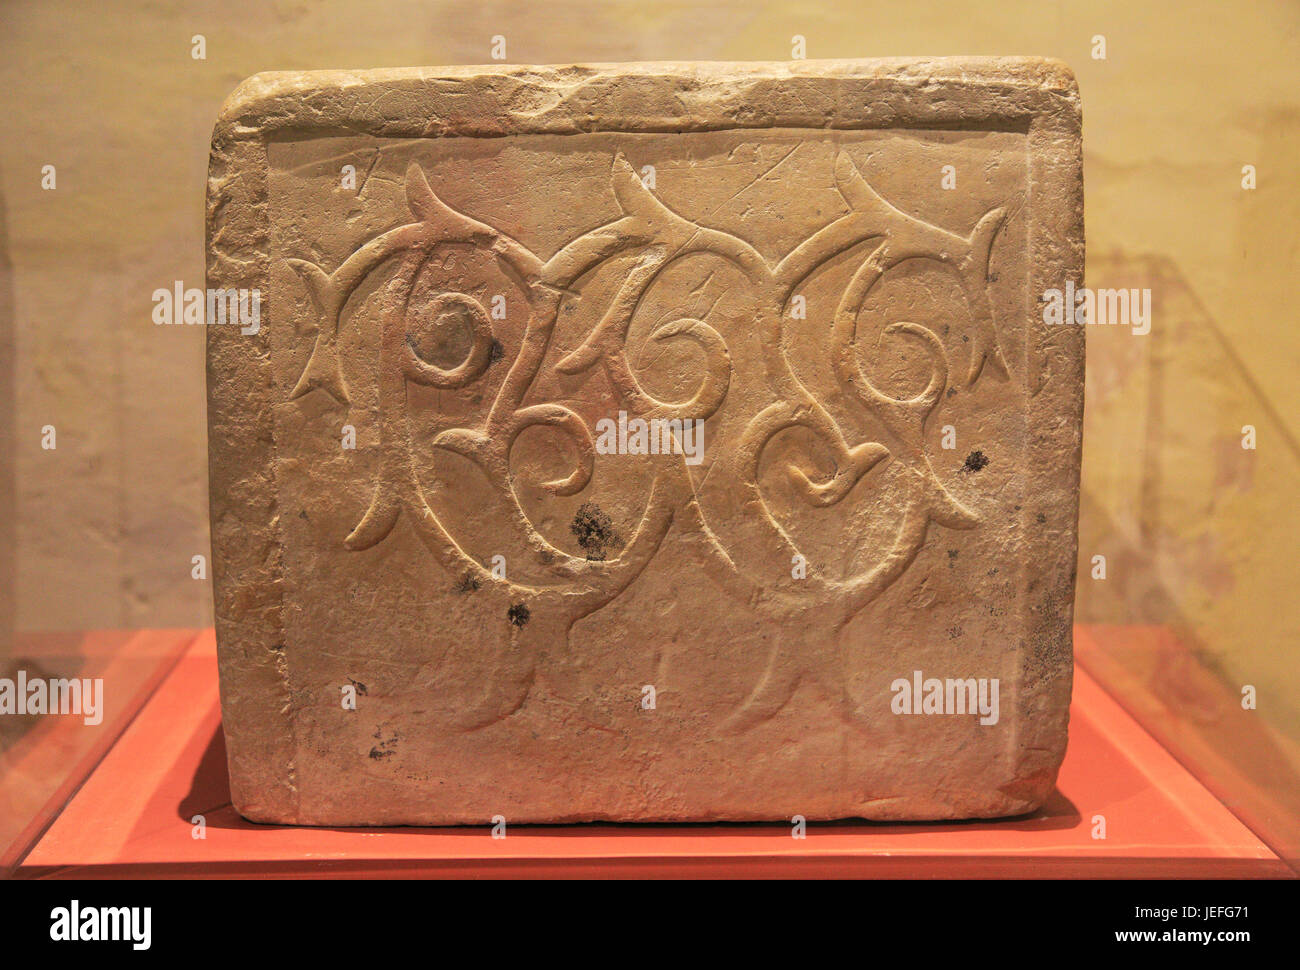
471	313
662	237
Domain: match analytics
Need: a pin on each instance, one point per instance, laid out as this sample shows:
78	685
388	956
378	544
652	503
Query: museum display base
128	808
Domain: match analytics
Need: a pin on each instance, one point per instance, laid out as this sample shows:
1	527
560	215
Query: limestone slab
647	442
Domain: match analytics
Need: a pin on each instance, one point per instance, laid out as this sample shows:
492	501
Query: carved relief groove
659	237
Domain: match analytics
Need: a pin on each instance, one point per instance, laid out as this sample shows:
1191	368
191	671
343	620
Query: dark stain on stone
496	352
518	614
1042	519
975	461
361	688
302	513
468	584
594	531
384	749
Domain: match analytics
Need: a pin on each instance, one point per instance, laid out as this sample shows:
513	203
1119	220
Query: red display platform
132	817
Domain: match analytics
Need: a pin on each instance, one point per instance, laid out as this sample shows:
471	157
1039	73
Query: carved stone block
646	442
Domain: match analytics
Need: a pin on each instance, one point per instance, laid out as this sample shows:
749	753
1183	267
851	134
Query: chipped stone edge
1035	95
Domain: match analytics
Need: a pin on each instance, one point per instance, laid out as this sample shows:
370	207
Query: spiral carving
661	237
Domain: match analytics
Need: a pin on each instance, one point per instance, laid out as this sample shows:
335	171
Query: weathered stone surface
537	628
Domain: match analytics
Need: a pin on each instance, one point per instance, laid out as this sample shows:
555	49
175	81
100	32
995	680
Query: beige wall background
1200	534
